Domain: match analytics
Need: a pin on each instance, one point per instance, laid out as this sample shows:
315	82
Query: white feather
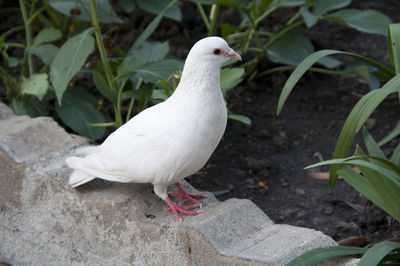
171	140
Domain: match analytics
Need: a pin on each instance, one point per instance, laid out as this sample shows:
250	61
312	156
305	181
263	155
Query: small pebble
300	191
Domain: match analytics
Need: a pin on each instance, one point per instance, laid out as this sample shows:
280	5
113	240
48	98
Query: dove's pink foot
183	195
178	209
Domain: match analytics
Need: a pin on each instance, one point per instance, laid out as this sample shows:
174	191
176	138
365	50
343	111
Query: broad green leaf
102	87
105	12
321	7
240	118
230	77
291	2
14	61
127	5
36	85
369	21
130	64
393	134
159	94
375	254
309	18
76	112
153	25
319	254
394	45
46	52
30	106
204	2
157	6
291	48
151	51
69	60
159	70
47	35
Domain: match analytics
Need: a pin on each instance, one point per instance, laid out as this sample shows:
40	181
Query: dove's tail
77	177
86	150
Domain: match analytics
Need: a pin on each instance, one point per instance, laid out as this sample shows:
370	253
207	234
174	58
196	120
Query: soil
264	162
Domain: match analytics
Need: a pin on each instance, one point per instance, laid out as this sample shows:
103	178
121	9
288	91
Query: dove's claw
179	209
183	195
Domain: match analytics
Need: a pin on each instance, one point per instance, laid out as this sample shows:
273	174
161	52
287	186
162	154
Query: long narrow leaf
394	43
360	113
375	254
393	134
311	60
152	26
372	147
320	254
396	156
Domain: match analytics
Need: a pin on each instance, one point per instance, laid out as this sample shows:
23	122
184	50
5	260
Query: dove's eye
217	51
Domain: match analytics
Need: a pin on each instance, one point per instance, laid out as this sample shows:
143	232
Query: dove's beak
232	54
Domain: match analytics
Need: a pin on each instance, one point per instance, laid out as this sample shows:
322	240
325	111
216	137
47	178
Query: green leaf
230	77
153	25
359	114
69	60
395	158
291	48
363	186
36	85
157	6
159	70
159	94
369	21
309	18
104	11
47	35
323	6
319	254
394	45
46	52
102	87
205	2
312	59
291	2
393	134
372	147
76	112
151	51
240	118
127	5
375	254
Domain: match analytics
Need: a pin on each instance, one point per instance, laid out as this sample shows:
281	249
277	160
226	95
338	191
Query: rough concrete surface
43	221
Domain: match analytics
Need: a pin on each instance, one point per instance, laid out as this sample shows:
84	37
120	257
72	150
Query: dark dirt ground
275	149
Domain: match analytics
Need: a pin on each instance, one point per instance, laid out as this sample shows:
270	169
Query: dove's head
212	50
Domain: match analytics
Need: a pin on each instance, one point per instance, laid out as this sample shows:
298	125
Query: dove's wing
138	151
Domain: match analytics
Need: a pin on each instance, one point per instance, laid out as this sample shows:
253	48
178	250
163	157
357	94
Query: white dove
171	140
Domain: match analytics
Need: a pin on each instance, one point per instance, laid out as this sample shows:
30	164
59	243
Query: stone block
24	138
5	112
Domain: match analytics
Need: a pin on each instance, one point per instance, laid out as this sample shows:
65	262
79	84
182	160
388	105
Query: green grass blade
372	147
375	254
153	25
393	134
311	60
396	156
393	44
319	254
360	113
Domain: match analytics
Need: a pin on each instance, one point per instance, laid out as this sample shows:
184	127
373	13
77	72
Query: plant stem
12	31
28	35
203	16
214	13
104	59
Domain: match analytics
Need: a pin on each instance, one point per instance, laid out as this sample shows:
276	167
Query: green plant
288	45
379	177
379	181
